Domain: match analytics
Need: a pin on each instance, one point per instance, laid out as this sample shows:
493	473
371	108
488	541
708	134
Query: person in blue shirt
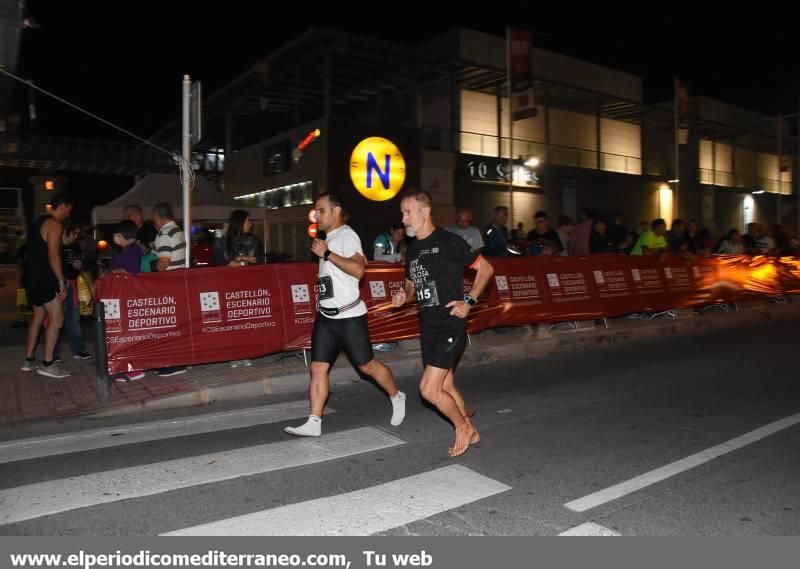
495	235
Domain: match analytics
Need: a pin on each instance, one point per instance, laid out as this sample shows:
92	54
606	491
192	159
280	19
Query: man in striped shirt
170	244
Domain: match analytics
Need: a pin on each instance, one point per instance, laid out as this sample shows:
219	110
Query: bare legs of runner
450	386
450	403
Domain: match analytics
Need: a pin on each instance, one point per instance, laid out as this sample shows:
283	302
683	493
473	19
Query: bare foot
464	434
475	439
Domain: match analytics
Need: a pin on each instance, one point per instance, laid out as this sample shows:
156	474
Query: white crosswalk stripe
36	447
55	496
363	512
589	529
692	461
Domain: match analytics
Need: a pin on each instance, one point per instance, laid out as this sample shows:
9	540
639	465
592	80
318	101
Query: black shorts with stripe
331	335
443	340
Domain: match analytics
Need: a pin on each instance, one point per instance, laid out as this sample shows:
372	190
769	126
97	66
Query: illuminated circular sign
377	168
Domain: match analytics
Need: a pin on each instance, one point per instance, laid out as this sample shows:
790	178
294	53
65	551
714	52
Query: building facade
592	144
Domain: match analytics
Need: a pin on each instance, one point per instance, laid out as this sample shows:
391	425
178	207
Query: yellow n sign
377	168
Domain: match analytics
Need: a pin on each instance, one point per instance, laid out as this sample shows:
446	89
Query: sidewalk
26	396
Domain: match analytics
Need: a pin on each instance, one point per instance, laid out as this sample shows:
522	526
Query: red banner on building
682	111
520	49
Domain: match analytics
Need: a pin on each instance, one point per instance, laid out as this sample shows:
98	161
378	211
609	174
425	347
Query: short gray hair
163	210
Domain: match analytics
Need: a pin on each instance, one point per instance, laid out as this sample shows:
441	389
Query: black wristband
326	254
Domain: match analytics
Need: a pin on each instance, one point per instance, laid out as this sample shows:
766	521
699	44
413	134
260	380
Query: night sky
124	61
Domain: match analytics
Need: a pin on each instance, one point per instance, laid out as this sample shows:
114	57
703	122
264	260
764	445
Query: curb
522	343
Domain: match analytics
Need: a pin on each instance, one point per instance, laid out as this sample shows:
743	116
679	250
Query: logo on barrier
598	277
552	280
209	307
301	299
377	168
502	287
113	314
668	272
637	276
376	289
696	272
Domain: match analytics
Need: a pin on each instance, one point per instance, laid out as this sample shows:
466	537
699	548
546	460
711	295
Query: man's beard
410	232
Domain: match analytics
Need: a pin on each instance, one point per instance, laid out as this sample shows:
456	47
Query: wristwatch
469	300
326	254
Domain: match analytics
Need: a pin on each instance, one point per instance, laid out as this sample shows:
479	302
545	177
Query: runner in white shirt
342	318
337	288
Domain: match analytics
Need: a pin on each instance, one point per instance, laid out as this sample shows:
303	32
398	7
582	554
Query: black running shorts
330	335
443	341
41	296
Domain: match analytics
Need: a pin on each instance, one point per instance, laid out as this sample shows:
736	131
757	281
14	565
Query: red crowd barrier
218	314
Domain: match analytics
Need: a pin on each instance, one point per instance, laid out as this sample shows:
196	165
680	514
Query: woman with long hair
239	247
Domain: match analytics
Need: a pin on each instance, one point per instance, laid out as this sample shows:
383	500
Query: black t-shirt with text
436	266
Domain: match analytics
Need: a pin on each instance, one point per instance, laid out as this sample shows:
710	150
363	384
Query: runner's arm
354	266
483	272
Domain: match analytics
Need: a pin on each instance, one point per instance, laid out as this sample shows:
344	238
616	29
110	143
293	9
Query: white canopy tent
209	203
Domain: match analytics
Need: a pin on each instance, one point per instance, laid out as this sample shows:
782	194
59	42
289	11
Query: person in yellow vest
653	241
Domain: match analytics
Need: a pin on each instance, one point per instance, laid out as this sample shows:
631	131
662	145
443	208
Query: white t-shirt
337	288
